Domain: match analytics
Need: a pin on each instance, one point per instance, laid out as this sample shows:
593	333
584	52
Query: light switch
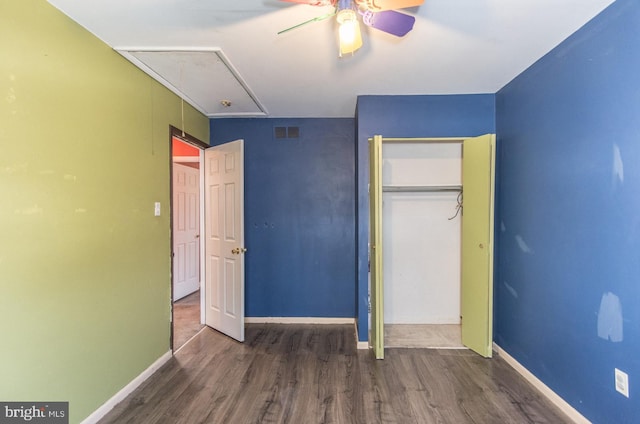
156	211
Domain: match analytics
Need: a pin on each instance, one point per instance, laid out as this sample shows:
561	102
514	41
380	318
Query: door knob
238	250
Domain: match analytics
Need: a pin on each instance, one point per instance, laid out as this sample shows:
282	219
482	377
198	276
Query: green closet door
375	245
477	244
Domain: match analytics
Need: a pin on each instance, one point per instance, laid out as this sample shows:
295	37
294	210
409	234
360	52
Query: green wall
84	264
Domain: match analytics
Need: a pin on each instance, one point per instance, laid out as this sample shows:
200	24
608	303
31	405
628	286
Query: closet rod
421	189
457	140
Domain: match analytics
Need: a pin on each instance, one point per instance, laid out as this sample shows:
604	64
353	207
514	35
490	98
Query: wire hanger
458	206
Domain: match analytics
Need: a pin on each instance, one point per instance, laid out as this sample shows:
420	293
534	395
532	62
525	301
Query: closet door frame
477	289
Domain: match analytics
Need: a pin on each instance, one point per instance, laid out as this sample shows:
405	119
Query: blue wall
569	216
408	116
568	212
299	216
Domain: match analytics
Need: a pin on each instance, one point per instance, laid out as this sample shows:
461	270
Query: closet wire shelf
421	189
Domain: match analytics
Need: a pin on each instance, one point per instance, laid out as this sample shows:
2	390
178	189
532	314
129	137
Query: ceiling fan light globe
350	37
348	32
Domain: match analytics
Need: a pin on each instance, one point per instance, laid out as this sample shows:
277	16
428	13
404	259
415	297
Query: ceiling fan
378	14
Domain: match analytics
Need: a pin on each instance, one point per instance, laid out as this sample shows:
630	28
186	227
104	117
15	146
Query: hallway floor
186	319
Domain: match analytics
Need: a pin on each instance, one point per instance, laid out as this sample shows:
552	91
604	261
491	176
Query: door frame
376	284
376	342
200	145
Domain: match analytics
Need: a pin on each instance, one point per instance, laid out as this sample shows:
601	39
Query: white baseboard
298	320
126	390
569	410
363	345
308	320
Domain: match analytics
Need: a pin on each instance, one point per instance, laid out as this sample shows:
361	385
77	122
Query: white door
224	238
186	230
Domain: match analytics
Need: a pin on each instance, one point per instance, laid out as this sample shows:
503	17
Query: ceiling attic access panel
203	78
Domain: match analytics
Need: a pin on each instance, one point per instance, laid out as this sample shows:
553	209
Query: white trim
126	390
569	410
203	256
298	320
186	159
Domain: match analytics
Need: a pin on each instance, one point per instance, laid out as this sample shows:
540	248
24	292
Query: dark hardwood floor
303	374
186	319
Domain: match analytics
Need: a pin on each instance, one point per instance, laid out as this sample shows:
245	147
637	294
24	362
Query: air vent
286	132
293	132
280	132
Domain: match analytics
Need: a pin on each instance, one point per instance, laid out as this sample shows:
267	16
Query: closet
421	227
431	242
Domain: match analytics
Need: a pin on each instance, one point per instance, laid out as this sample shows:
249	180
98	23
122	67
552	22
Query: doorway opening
186	275
207	238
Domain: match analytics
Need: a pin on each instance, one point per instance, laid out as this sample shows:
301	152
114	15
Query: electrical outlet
622	382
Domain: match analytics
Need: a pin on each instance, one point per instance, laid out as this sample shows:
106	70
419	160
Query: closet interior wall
421	230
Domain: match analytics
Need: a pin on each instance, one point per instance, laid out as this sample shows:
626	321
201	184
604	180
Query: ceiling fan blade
380	5
313	2
316	19
389	21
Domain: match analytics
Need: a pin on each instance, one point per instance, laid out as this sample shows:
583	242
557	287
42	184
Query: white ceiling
456	47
